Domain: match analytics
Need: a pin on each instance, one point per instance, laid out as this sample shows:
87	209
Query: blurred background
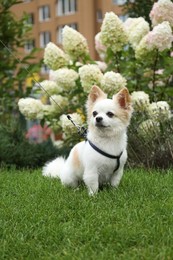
26	27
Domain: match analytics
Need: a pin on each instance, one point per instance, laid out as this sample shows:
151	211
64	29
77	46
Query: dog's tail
54	168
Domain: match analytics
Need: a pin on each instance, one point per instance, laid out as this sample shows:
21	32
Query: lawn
40	219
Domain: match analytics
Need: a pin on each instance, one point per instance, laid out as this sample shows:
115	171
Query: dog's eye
95	113
110	114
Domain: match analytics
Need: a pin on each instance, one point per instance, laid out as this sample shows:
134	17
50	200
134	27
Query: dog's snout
99	119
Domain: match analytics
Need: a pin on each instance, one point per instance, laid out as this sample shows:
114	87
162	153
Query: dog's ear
95	94
123	98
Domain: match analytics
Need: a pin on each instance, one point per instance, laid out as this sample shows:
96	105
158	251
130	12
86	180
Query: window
45	38
30	18
59	31
73	25
44	13
29	45
44	69
119	2
65	7
59	34
99	16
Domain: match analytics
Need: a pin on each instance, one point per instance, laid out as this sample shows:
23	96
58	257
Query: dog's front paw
116	178
115	183
92	192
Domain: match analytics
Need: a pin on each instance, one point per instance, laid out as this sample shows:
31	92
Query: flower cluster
142	49
66	78
54	57
160	37
136	29
74	44
112	82
113	34
159	111
140	100
56	100
50	87
90	75
162	11
31	108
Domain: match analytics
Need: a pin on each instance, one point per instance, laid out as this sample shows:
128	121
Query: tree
13	66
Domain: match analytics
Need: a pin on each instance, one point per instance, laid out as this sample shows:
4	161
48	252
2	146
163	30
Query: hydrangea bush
131	54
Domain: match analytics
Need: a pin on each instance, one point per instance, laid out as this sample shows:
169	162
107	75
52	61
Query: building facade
48	17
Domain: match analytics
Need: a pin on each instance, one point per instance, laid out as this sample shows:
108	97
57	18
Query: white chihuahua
101	158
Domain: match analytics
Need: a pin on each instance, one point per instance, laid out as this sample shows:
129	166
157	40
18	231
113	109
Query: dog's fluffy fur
108	120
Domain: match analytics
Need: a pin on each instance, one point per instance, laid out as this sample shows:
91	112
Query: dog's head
108	116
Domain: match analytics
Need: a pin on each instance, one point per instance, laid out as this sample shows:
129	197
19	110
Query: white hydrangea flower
67	126
160	37
90	75
74	43
54	57
149	129
56	103
113	34
140	100
142	50
31	108
112	82
58	99
52	75
136	29
66	78
51	111
162	11
50	87
159	111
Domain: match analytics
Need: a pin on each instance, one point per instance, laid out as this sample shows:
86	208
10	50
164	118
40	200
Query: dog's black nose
99	119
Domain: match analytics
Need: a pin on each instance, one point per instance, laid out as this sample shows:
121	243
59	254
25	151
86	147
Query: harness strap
107	154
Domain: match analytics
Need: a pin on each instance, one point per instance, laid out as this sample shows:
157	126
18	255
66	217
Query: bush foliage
16	151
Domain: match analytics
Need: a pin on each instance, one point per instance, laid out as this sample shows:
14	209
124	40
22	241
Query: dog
101	158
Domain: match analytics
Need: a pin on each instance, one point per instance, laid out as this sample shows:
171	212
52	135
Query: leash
82	131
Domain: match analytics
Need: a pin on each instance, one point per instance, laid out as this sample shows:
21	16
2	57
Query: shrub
16	151
133	54
151	147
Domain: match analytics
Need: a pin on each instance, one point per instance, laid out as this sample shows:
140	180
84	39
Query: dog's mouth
100	125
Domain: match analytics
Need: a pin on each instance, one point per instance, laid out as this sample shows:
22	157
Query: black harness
107	155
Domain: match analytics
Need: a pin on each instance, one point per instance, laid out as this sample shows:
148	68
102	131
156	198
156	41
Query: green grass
40	219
